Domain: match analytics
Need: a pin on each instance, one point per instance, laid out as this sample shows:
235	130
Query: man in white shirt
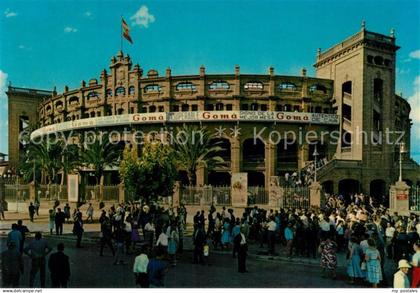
400	277
271	227
140	270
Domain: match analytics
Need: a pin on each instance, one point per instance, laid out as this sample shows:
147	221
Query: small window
132	110
254	107
346	139
185	108
244	107
151	88
287	86
346	112
219	107
219	85
185	86
131	90
263	107
92	114
59	104
194	107
279	108
387	62
161	109
98	114
120	91
209	107
175	108
370	59
318	109
378	60
229	107
144	109
296	108
109	93
48	109
254	85
326	110
152	109
288	108
120	111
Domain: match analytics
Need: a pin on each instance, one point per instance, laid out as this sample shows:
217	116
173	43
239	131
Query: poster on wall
73	187
239	189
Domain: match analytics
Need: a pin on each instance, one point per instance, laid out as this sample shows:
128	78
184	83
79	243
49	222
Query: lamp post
402	150
315	154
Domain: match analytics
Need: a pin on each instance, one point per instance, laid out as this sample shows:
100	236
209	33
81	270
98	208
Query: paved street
90	270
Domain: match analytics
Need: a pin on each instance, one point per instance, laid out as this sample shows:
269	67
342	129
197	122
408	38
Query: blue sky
55	43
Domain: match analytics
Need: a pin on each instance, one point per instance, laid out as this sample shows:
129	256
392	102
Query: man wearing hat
400	277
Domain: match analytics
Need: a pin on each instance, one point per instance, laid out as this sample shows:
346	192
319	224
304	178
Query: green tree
99	153
193	148
152	174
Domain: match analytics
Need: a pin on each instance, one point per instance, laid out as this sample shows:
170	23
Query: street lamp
402	150
315	154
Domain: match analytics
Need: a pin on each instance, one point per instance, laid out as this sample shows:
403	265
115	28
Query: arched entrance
183	177
287	156
346	187
253	151
218	178
223	143
328	186
256	179
378	190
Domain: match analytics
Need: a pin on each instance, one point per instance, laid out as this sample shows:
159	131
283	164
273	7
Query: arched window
48	109
92	96
194	107
152	88
219	85
152	109
254	85
287	86
59	104
175	108
109	93
131	90
209	107
73	100
219	107
120	111
186	86
378	60
92	114
254	107
185	107
120	91
316	88
378	89
161	109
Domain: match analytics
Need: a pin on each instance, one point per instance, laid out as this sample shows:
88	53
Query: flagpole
121	34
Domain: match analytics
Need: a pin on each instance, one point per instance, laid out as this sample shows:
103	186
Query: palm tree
193	149
99	154
70	161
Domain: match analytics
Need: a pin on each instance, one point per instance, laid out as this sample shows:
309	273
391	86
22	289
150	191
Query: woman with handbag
373	264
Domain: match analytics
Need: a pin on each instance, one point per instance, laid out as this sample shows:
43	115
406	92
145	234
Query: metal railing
52	192
205	195
16	192
415	198
257	195
296	197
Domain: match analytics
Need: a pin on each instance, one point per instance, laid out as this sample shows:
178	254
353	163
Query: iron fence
257	195
52	192
296	197
16	192
415	198
205	195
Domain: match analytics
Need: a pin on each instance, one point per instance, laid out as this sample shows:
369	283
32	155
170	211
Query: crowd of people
368	234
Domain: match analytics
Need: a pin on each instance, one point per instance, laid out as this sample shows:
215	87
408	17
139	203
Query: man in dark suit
60	218
11	266
240	242
59	266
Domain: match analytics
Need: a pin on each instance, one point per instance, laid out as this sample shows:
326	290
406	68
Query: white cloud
402	70
69	29
415	54
142	17
88	14
8	13
3	84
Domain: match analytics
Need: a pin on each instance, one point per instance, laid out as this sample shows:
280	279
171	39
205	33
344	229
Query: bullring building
263	120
